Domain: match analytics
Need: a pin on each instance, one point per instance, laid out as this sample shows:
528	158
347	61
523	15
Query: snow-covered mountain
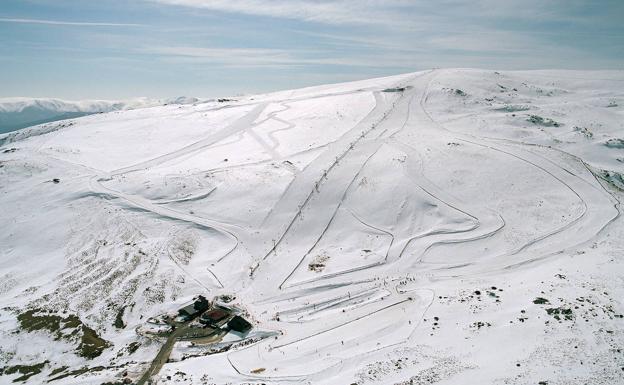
16	113
438	227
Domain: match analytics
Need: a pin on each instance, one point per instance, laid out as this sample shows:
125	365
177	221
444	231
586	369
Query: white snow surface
465	229
18	104
20	112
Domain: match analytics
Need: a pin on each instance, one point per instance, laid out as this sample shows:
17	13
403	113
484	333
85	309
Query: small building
214	317
239	324
201	303
188	312
193	310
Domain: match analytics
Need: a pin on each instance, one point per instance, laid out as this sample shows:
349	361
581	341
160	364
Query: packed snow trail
322	188
332	190
386	231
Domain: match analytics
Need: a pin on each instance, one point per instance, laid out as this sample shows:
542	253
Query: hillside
17	113
442	227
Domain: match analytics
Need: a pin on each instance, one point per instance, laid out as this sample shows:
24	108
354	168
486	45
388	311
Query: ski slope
451	226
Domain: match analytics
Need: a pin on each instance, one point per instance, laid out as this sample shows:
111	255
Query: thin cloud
328	12
70	23
255	56
263	57
393	14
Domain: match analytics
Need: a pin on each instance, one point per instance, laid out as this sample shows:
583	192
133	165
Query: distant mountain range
17	113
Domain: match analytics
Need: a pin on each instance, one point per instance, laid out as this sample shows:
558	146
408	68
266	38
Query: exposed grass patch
615	179
119	323
318	264
67	327
540	301
615	143
560	313
133	347
512	108
40	320
26	371
91	345
544	122
78	372
480	324
395	89
58	370
585	131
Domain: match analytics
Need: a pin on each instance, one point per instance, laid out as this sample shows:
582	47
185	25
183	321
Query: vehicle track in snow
495	223
379	141
598	224
348	155
348	144
487	224
354	158
316	198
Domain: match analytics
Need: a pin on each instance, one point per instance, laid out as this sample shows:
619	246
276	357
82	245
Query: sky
116	49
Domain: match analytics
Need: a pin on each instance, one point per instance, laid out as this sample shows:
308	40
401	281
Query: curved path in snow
315	212
353	311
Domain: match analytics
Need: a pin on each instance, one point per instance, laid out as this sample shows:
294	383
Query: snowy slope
16	113
446	226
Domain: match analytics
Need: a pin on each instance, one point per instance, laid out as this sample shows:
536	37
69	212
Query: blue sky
112	49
